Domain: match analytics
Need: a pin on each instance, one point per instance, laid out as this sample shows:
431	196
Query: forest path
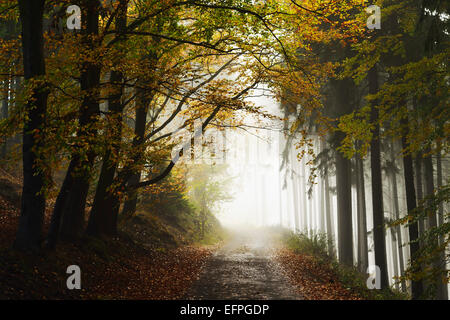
244	268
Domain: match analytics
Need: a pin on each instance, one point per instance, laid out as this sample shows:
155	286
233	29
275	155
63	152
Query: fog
269	189
253	156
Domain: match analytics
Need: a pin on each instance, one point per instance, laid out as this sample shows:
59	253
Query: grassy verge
315	246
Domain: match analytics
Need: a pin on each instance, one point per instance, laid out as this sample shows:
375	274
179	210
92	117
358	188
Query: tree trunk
322	208
344	203
17	87
363	259
74	202
441	289
59	208
5	112
295	182
305	198
419	187
33	201
102	219
439	182
342	103
429	184
416	286
130	205
444	289
379	237
280	182
393	176
329	216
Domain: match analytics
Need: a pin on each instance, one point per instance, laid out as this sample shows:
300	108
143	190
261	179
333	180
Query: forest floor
117	269
121	268
314	280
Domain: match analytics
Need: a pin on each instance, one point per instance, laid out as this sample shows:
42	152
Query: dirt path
243	269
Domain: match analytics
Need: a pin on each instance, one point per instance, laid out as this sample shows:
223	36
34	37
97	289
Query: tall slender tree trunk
342	103
419	186
439	182
394	248
329	215
416	286
429	183
16	88
322	208
441	289
394	240
295	200
305	198
363	257
295	182
393	176
377	188
8	84
344	208
5	112
28	235
280	183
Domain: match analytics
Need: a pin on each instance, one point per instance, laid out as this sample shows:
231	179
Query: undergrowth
316	245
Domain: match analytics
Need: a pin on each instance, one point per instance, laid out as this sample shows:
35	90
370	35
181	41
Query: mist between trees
322	124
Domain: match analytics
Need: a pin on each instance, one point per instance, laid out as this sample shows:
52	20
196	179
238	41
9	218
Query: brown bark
33	201
5	111
139	133
69	211
344	202
419	186
102	220
377	188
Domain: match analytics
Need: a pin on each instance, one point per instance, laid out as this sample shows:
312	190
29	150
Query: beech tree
33	197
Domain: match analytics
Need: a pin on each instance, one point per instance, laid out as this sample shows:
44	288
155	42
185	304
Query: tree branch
172	163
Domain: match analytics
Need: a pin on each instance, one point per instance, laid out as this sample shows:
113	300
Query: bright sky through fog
254	161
